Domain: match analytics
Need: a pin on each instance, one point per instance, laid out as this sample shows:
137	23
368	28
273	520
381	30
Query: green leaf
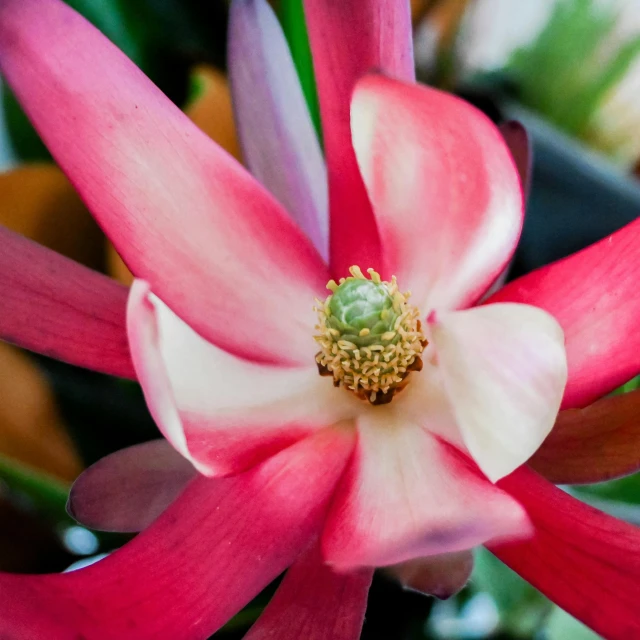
632	385
522	607
23	138
43	493
111	17
625	490
565	73
291	14
561	626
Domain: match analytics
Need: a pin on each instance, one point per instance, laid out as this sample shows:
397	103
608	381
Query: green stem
291	14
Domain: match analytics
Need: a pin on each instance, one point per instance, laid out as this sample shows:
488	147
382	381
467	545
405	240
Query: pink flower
221	327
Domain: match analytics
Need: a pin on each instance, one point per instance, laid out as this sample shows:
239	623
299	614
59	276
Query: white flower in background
616	124
575	98
493	29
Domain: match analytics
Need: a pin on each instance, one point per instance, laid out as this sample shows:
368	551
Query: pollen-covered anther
369	335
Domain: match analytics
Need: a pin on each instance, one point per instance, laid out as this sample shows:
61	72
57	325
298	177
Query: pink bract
220	328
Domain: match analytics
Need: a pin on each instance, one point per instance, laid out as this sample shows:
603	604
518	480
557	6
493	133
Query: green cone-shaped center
369	336
359	304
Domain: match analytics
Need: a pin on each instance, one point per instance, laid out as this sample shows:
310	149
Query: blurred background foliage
569	68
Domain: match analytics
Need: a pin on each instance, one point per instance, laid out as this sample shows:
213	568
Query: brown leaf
39	202
31	430
597	443
212	110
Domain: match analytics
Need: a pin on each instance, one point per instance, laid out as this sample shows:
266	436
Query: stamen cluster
369	335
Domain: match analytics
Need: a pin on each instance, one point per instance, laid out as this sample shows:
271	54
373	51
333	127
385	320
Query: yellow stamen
372	364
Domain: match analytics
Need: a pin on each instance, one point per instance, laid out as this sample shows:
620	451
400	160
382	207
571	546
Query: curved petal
187	574
407	494
598	443
586	561
223	413
362	35
444	189
595	297
440	576
519	144
504	369
129	489
278	138
212	112
61	309
180	211
315	603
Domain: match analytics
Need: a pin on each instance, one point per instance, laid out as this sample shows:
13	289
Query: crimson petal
584	560
595	297
315	603
182	213
444	190
363	35
57	307
212	551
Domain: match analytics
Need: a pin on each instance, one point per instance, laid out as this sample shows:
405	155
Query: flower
221	331
39	202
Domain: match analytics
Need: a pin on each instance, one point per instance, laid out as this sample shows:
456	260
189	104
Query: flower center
369	335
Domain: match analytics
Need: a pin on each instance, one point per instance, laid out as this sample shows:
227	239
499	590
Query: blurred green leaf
25	141
632	385
612	73
117	23
244	619
621	490
561	626
565	73
522	607
41	493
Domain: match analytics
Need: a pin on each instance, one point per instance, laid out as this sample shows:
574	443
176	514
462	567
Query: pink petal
598	443
213	550
519	144
315	603
442	576
279	141
61	309
595	297
407	494
348	39
183	214
504	370
586	561
444	189
129	489
223	413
